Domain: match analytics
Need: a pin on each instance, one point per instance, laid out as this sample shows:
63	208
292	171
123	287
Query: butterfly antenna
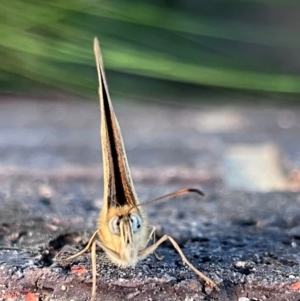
174	193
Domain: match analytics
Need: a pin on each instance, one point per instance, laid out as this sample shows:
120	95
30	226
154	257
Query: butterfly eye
136	222
114	225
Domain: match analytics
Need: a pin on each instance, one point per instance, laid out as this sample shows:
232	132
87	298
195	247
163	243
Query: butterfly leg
91	245
94	270
153	247
85	249
152	236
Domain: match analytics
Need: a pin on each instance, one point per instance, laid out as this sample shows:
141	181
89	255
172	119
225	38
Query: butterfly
122	230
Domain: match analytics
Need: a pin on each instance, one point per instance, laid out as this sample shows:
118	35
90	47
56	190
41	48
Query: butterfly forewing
118	186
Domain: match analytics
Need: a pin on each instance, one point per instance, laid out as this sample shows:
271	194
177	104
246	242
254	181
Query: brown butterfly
122	230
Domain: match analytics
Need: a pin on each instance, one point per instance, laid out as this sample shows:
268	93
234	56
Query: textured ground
245	234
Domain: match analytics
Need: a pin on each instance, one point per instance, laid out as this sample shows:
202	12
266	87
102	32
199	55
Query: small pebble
78	269
45	191
295	286
30	297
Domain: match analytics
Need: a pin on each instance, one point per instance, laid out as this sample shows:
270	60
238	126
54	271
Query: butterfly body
122	230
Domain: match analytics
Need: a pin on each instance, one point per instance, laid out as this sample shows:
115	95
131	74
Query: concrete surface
245	234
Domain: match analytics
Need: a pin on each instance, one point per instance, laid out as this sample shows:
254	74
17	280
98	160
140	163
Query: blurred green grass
242	45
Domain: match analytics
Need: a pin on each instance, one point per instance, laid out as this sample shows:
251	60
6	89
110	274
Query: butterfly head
125	231
125	226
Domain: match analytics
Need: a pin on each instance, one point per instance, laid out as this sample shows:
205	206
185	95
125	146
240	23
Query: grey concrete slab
51	189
